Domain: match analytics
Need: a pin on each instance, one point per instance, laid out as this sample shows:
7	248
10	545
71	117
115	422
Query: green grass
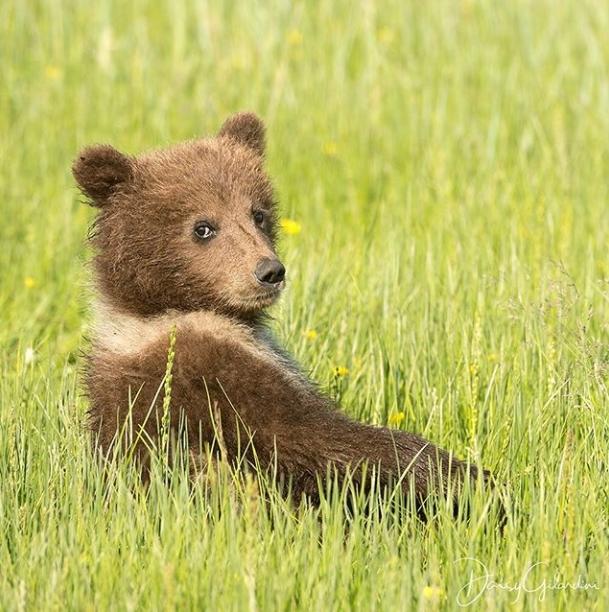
448	163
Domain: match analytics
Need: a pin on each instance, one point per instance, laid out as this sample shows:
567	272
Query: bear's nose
270	271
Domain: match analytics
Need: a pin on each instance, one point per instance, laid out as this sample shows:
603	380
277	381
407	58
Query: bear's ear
99	170
247	129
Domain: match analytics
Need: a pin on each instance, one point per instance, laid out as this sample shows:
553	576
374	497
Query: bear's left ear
100	170
247	129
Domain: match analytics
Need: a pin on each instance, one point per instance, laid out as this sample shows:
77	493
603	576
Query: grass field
446	168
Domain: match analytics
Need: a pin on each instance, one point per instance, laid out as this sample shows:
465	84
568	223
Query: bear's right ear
246	129
99	170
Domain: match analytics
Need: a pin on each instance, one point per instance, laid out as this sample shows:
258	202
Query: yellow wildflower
330	149
385	35
294	38
239	61
396	418
466	7
290	227
341	371
52	72
431	593
310	334
29	282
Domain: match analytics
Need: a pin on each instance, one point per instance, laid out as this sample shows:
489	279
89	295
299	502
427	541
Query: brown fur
154	276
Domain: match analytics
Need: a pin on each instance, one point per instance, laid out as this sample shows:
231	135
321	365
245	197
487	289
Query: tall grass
447	163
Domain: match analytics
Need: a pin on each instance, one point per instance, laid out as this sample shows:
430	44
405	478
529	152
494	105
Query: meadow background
443	167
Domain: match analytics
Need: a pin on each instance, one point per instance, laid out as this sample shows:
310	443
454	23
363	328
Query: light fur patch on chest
128	335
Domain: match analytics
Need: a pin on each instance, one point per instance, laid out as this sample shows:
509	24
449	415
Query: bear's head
187	228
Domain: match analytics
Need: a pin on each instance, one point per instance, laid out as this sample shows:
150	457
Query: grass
447	165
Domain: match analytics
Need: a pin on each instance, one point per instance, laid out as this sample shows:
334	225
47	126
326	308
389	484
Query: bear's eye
204	231
259	217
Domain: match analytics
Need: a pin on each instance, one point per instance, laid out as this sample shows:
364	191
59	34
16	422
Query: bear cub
184	245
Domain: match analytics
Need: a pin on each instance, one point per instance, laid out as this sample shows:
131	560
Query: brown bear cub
185	250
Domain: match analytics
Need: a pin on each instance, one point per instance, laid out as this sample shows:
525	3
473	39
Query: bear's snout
270	271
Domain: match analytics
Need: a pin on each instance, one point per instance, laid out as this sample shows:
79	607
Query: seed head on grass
167	393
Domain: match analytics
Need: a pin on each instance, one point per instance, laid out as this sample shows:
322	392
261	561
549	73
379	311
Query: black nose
270	271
